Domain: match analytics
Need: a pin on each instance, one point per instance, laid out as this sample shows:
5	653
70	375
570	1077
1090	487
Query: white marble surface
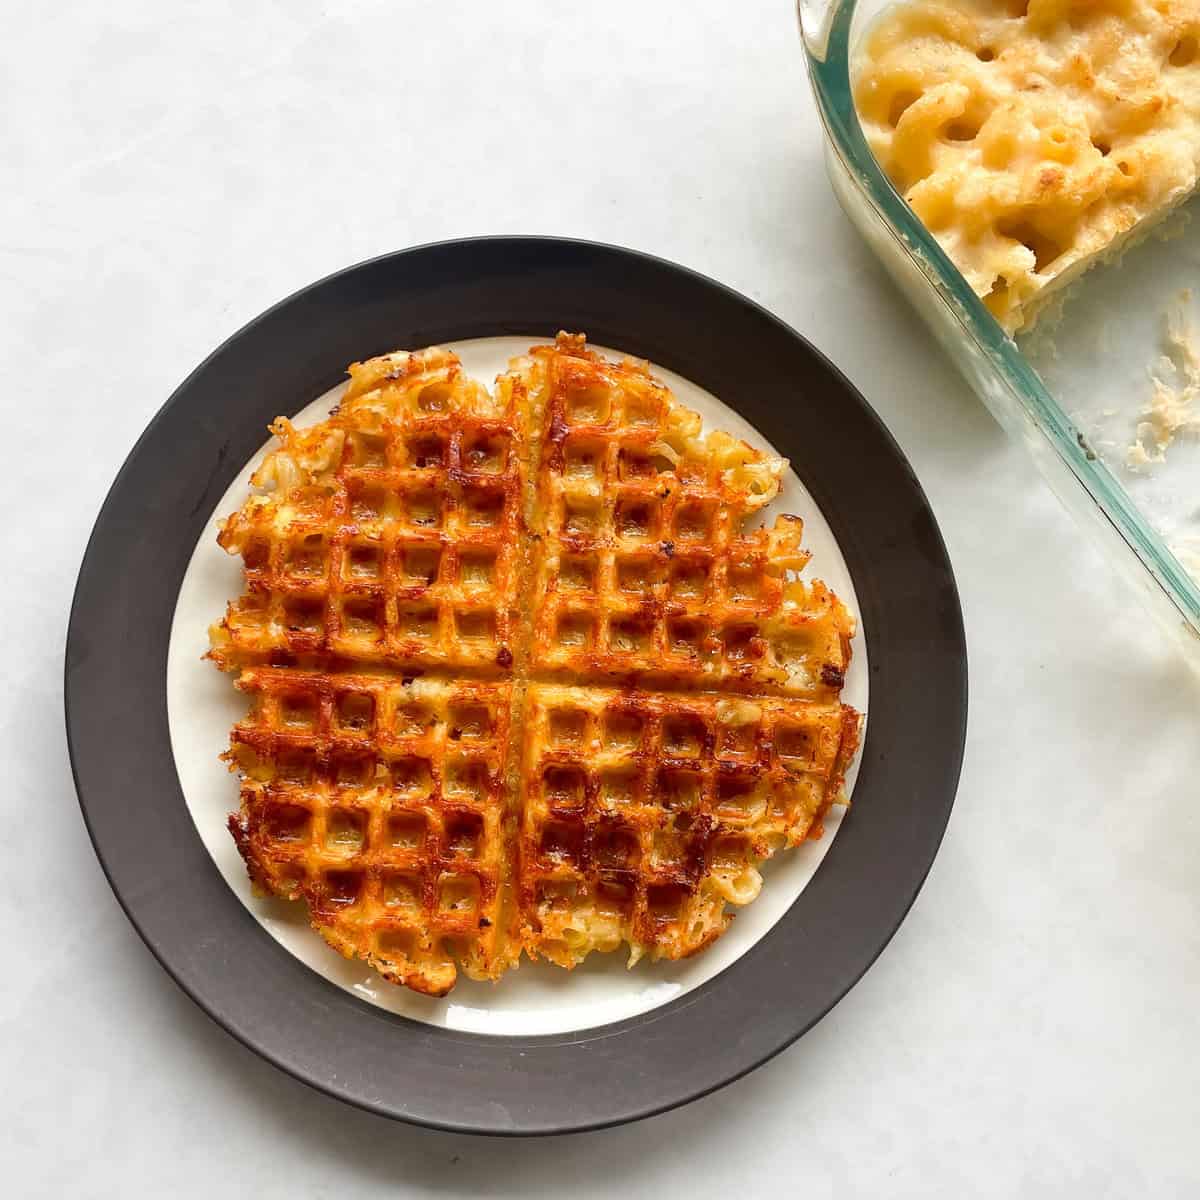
1031	1028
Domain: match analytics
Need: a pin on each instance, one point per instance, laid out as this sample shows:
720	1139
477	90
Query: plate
540	997
546	1051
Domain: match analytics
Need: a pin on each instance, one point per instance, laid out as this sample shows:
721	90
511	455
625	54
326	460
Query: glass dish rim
825	32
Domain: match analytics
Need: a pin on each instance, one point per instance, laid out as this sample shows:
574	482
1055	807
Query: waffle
380	802
386	535
645	814
644	571
520	678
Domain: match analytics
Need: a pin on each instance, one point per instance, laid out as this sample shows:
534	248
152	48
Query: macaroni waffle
381	803
387	534
480	726
645	814
643	568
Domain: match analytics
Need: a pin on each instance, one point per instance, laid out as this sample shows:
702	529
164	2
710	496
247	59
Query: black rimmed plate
207	939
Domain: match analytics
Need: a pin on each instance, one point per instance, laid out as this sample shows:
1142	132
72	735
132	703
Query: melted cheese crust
1033	137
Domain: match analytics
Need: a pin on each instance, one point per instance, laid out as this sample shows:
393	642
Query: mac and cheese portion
1033	137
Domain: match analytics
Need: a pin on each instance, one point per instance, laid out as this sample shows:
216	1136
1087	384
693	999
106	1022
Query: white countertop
1031	1027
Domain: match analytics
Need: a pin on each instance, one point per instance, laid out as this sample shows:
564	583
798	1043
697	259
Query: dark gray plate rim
115	687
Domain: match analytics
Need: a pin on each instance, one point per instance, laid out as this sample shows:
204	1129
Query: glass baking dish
1065	391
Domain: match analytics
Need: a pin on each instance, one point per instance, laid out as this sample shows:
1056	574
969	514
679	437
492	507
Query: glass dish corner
992	362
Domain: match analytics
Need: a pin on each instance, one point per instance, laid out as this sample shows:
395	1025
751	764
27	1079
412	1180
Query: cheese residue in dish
1171	411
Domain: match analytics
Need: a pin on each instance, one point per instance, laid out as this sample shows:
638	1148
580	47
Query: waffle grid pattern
644	814
404	553
435	758
383	804
644	569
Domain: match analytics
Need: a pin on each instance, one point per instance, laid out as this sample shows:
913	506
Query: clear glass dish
1059	392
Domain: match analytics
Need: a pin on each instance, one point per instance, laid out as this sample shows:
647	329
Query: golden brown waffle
644	814
389	533
381	802
521	680
644	569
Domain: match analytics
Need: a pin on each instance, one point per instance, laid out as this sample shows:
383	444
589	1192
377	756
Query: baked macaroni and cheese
1034	137
521	679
